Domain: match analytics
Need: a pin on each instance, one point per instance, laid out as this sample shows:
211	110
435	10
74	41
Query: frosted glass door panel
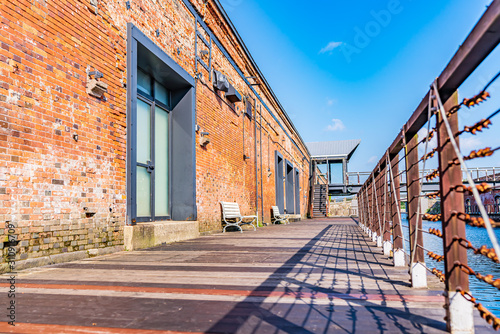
143	132
143	195
161	162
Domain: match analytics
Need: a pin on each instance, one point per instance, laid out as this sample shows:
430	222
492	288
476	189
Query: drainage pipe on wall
261	176
254	115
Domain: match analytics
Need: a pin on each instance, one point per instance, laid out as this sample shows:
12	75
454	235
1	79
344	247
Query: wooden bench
278	217
232	217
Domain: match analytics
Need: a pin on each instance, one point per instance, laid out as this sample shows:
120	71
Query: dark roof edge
353	150
254	64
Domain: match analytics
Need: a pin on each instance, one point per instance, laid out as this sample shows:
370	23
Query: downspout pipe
256	166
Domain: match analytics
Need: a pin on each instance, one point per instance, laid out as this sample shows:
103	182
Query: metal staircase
320	201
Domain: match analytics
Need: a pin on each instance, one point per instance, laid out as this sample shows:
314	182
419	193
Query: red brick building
110	122
491	201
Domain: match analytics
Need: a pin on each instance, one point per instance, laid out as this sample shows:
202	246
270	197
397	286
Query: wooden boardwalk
316	276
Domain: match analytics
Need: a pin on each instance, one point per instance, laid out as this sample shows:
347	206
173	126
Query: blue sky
358	69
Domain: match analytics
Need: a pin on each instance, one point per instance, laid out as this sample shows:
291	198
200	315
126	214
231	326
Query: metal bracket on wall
208	52
96	74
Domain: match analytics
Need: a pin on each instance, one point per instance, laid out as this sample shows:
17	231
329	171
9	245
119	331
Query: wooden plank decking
316	276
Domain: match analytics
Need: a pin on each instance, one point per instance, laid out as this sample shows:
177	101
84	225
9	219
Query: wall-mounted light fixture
96	87
157	32
220	81
204	141
127	4
75	136
233	95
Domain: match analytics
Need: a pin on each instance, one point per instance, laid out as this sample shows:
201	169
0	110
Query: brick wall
66	195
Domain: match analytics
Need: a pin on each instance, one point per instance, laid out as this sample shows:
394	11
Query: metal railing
491	209
380	194
480	174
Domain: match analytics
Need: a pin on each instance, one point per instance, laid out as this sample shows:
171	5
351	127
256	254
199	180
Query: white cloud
330	47
337	125
330	102
372	159
470	143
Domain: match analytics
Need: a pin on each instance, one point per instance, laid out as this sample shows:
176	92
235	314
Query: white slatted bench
278	217
232	217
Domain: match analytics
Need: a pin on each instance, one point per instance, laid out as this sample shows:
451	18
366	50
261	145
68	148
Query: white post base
387	248
370	233
379	241
418	275
399	258
461	314
374	236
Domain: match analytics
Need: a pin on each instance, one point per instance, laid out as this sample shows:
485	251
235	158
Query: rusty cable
478	127
469	103
435	257
470	180
487	279
481	188
474	154
433	195
436	232
491	81
483	250
428	137
472	221
475	100
432	175
439	274
432	218
429	155
483	311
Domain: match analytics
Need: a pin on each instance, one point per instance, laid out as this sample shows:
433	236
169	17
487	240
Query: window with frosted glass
161	162
152	149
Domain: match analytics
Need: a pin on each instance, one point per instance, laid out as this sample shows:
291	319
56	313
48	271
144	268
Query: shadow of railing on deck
254	315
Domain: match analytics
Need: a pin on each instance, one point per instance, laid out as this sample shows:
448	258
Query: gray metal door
297	192
278	168
290	178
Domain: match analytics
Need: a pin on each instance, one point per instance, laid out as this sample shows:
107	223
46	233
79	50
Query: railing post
371	205
418	271
374	211
386	233
365	213
360	209
378	203
397	232
459	318
361	197
367	208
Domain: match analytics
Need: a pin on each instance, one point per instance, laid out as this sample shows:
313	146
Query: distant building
491	201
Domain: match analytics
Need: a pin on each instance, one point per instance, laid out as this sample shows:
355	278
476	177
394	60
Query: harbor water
486	294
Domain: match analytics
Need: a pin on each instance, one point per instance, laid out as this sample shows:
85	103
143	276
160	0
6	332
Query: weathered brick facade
63	152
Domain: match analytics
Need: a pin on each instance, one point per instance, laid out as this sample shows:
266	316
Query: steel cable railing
446	136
